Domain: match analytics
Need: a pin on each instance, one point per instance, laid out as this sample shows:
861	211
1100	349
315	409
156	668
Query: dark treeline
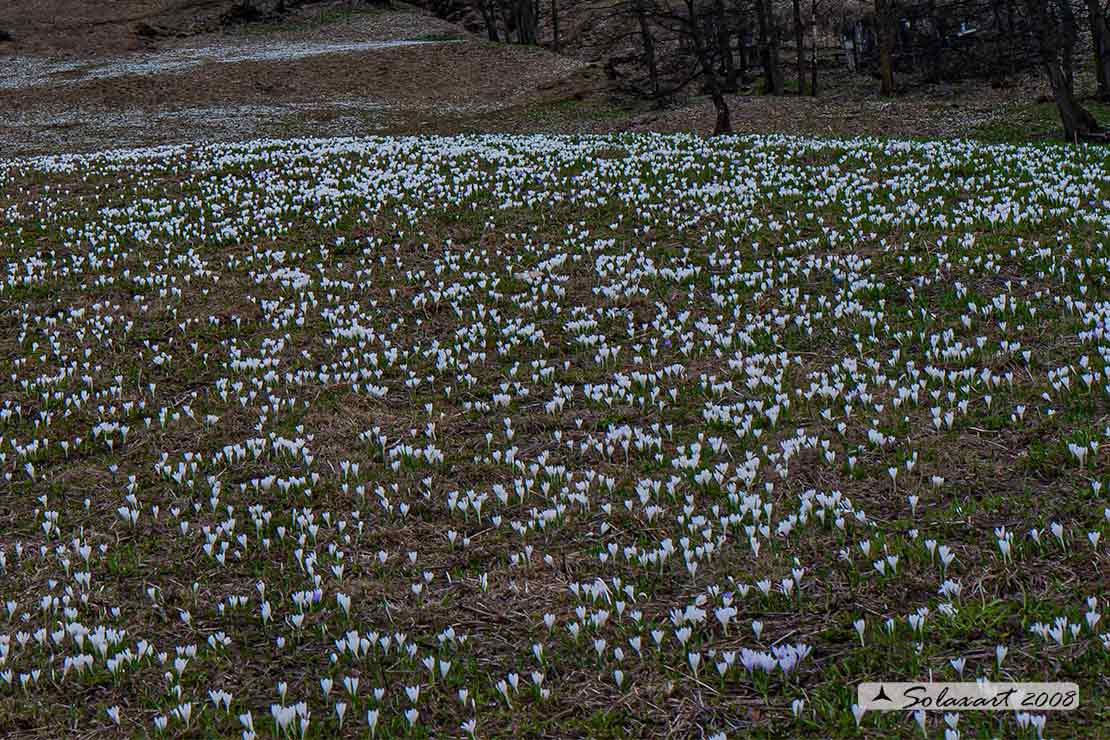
508	21
722	45
251	11
659	49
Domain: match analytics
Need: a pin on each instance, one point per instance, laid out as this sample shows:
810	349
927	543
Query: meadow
541	436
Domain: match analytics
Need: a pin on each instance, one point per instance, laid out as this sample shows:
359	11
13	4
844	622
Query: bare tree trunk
800	46
724	46
936	43
1013	36
761	20
736	71
773	50
1100	38
490	19
813	51
857	39
885	22
998	69
525	18
555	23
1067	20
648	43
769	48
723	124
499	9
1076	119
1053	44
742	71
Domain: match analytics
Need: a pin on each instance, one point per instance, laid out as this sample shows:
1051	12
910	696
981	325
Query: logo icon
881	696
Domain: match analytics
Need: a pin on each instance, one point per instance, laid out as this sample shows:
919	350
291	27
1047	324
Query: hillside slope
321	71
82	27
